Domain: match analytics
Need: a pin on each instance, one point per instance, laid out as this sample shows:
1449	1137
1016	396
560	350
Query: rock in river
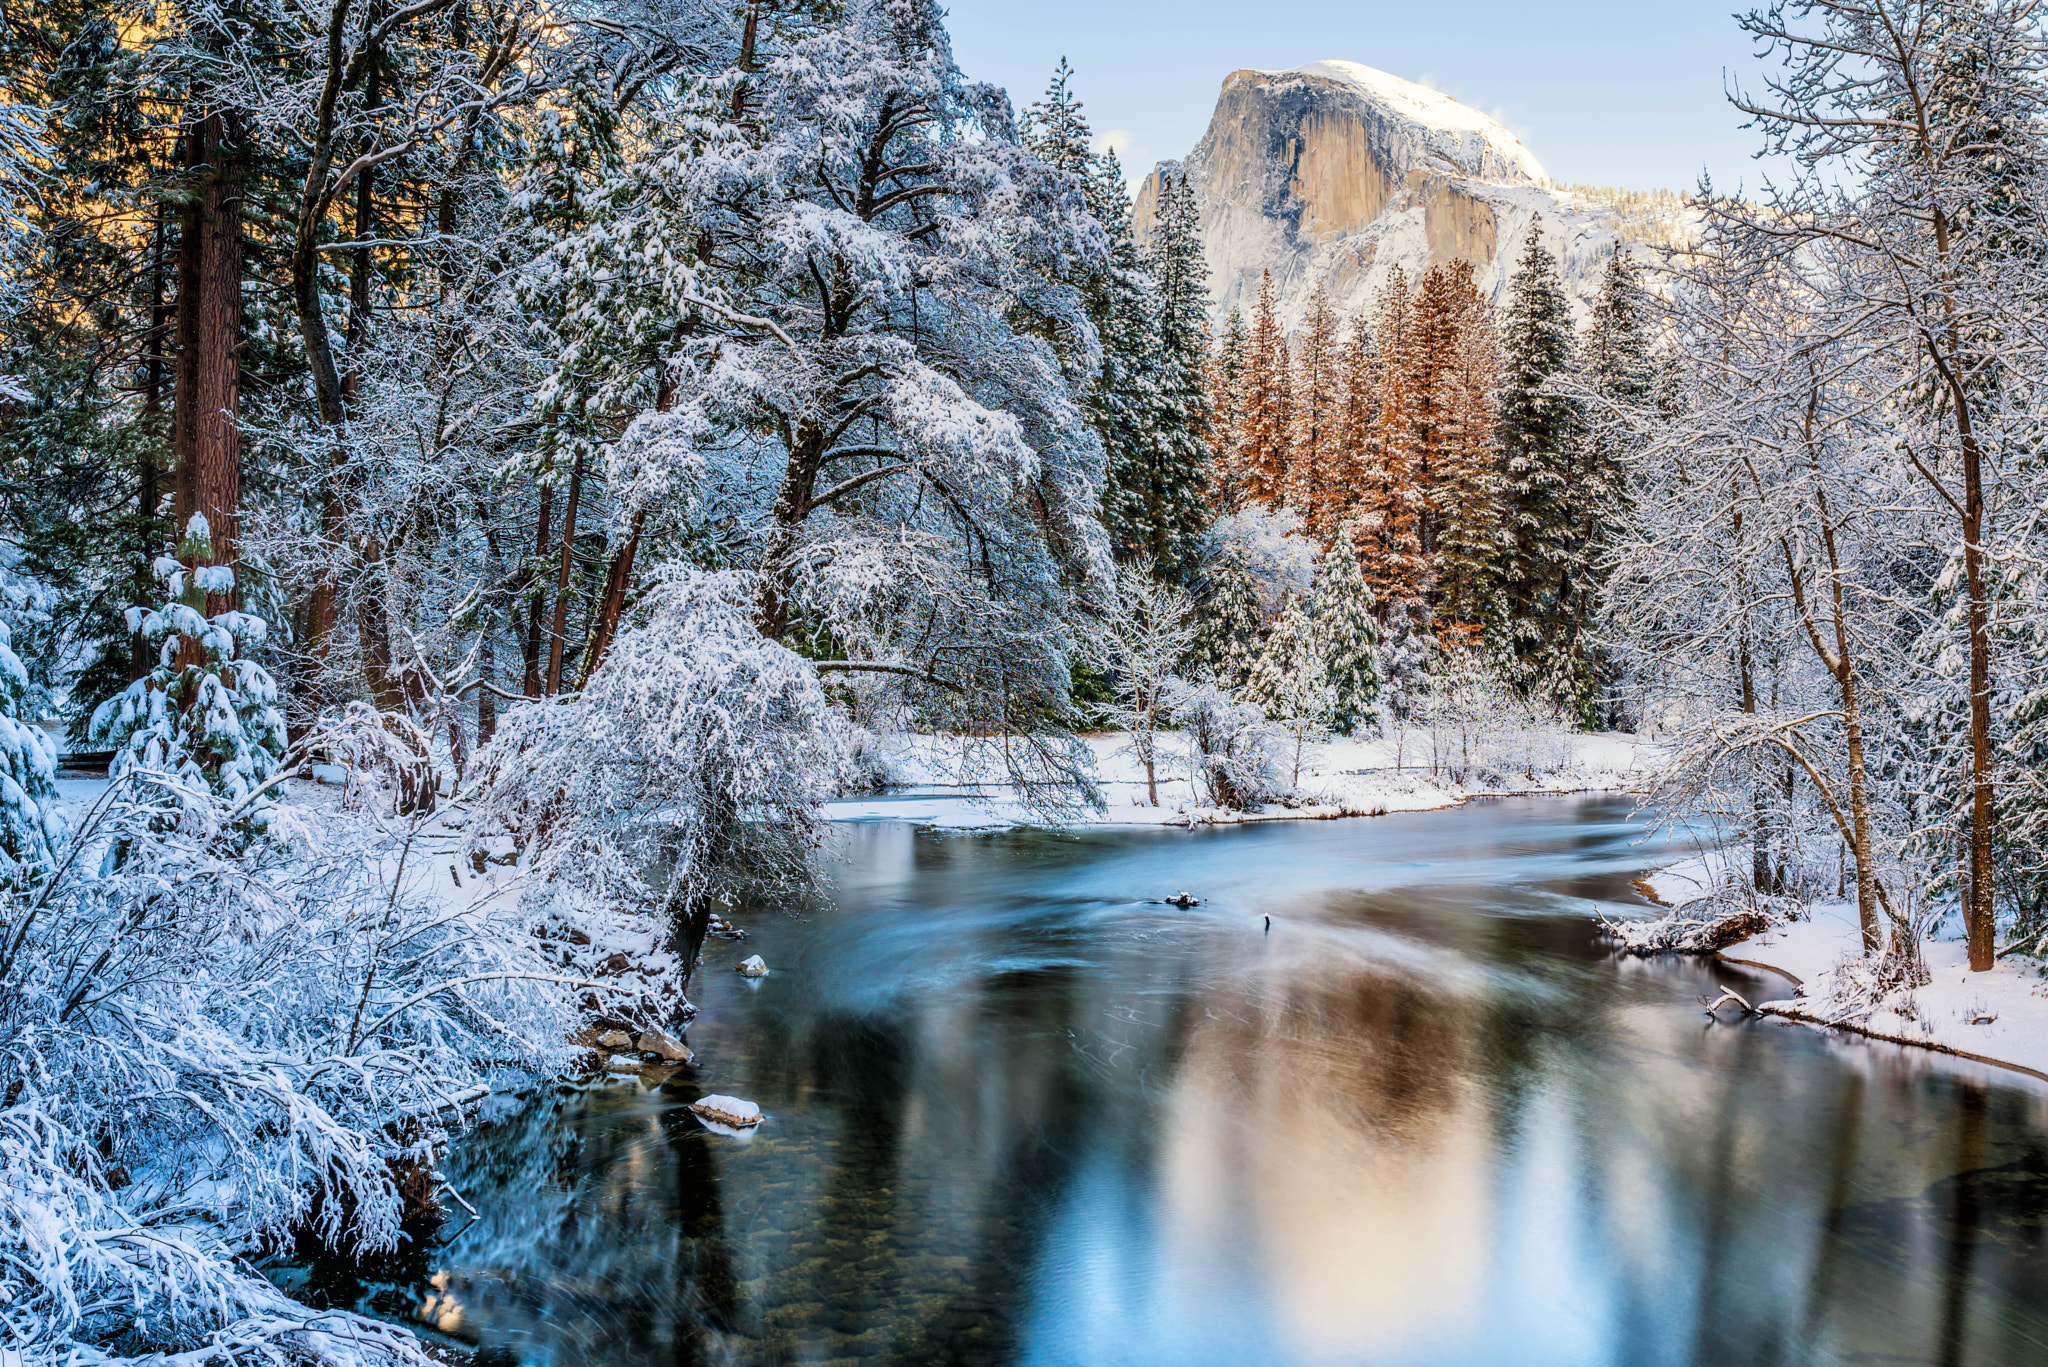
668	1046
753	966
727	1110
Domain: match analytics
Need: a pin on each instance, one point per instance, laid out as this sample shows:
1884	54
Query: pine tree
30	827
1227	641
207	713
1357	418
1316	485
1265	459
1388	516
1467	492
1540	437
1178	513
1123	399
1290	680
1226	375
1617	367
1348	636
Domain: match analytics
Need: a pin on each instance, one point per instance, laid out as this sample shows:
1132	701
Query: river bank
950	784
1998	1017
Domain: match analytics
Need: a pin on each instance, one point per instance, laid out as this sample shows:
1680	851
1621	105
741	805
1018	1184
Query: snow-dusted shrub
207	712
209	1044
1240	759
696	758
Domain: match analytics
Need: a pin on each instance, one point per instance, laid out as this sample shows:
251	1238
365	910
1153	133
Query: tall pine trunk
209	477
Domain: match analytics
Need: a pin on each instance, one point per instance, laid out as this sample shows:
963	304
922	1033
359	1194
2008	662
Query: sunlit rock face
1335	173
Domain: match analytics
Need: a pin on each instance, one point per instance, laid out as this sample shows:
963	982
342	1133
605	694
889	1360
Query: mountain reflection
1018	1114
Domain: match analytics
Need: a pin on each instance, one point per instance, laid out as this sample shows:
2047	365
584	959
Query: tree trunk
209	480
1980	919
148	487
559	632
536	606
613	601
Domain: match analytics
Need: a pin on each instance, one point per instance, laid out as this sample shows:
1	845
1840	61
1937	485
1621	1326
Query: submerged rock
753	966
727	1110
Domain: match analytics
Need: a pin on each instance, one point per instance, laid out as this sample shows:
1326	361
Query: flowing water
1019	1112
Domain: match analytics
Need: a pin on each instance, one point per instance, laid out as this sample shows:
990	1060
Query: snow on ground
948	784
2000	1016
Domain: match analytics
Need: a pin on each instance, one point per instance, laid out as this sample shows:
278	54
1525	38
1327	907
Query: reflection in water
1019	1114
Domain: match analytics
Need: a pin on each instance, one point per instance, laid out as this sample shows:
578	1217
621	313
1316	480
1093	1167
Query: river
1021	1112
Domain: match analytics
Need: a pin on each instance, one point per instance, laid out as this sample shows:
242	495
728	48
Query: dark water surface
1018	1114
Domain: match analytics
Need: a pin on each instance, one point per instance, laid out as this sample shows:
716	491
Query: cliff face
1334	173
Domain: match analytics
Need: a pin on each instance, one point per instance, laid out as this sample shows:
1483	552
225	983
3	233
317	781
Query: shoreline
1997	1018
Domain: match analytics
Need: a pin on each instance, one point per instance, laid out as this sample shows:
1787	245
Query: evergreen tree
1226	408
1389	506
1349	636
1178	510
1540	437
208	712
30	827
1316	485
1466	488
1618	369
1290	680
1227	640
1265	460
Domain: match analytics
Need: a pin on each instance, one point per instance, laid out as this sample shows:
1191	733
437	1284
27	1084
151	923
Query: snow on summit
1431	108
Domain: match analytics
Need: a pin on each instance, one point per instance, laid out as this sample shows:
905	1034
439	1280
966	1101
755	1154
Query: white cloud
1122	141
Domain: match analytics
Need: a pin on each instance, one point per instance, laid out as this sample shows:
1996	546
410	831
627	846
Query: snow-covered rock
1335	173
727	1110
753	966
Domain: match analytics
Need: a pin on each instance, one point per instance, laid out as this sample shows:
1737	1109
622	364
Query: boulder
727	1110
618	1041
671	1049
753	966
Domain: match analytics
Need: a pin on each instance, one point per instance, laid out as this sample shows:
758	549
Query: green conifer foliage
1178	510
1540	436
207	713
1349	636
1227	643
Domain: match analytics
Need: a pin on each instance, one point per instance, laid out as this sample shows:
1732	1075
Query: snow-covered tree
1290	682
1186	470
1348	636
31	828
700	747
207	714
1540	435
1149	634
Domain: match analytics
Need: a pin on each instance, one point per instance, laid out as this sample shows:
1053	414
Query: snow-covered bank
1999	1016
950	784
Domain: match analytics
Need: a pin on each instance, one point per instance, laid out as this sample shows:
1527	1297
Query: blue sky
1613	93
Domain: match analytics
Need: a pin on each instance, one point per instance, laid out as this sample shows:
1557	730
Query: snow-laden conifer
1349	636
1541	430
207	713
31	830
1290	682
